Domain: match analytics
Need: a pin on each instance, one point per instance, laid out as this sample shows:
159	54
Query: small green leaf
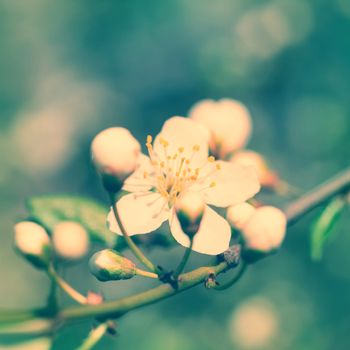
324	226
52	209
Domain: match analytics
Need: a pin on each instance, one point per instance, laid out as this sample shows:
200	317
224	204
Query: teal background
68	69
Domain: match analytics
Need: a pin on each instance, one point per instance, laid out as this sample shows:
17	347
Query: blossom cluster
192	168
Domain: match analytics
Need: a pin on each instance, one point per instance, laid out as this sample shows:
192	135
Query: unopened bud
189	208
238	215
211	282
263	233
115	153
70	240
33	242
228	121
108	265
267	177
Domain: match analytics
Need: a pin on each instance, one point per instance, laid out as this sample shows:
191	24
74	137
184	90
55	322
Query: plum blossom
229	124
177	163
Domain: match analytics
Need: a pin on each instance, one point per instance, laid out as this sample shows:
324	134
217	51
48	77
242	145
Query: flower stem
94	337
146	274
133	247
183	261
75	295
235	279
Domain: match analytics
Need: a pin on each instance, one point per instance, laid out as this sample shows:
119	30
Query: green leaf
324	227
52	209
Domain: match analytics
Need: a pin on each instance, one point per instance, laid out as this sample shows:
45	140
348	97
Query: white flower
115	152
33	242
237	215
265	230
178	162
267	177
229	124
70	240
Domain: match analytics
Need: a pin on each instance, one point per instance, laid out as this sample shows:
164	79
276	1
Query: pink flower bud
189	208
115	153
70	240
228	121
267	177
265	230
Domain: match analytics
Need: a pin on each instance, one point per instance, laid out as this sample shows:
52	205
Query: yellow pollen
149	139
162	164
213	184
197	171
211	159
218	166
187	161
196	148
145	174
181	149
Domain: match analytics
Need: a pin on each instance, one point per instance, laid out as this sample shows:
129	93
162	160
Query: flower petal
137	181
231	184
139	213
183	133
212	238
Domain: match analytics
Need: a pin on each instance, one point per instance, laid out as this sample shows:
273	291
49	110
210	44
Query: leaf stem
183	261
133	247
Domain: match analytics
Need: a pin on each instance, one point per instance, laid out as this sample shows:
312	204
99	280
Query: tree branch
336	185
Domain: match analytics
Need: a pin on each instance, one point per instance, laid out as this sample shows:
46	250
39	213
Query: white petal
232	184
183	133
228	121
139	213
212	238
142	178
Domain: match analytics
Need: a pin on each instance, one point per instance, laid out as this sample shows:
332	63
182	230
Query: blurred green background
71	68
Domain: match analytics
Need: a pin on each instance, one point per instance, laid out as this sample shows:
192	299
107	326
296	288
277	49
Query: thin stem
235	279
133	247
146	274
74	294
183	261
336	185
94	337
120	307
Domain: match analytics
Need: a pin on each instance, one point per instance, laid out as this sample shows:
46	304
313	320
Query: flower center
175	173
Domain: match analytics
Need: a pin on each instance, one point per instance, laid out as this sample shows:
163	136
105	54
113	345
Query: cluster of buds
69	241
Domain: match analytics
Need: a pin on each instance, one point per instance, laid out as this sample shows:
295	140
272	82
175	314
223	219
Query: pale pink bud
115	153
238	215
267	177
70	240
189	208
265	230
33	242
228	121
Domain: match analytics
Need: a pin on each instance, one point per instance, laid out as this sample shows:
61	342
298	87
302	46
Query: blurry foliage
70	68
